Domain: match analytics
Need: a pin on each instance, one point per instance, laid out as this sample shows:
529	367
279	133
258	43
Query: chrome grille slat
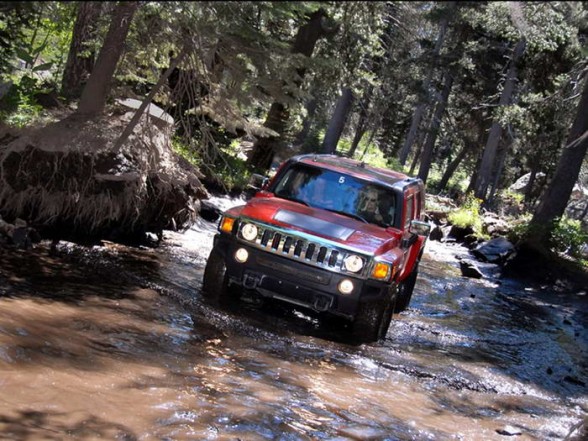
299	249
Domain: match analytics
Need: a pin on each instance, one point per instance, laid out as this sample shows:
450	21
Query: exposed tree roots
67	181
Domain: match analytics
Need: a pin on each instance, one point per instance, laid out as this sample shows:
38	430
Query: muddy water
116	343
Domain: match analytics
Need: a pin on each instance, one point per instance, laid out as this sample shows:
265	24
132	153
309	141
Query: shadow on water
28	425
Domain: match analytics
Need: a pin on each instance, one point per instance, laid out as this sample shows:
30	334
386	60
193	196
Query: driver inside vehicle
369	207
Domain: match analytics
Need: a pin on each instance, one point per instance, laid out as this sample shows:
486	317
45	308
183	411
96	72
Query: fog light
241	255
345	286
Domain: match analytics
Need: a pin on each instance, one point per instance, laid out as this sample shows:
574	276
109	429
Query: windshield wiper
345	213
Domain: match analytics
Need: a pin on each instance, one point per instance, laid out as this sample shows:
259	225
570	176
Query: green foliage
185	151
18	108
227	168
568	236
519	228
468	215
457	185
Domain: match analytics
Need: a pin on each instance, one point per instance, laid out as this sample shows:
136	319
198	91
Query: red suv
331	234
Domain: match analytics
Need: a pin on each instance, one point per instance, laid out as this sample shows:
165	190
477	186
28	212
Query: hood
367	238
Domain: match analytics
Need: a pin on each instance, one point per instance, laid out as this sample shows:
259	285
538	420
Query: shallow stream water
113	342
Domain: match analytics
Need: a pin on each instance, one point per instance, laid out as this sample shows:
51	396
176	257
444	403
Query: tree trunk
488	158
137	116
421	106
338	120
96	91
452	167
555	199
502	152
427	155
264	149
361	124
416	158
80	58
311	107
530	185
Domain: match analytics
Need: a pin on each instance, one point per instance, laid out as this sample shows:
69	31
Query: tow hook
322	303
250	281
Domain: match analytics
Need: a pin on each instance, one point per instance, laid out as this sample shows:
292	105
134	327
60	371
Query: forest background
469	96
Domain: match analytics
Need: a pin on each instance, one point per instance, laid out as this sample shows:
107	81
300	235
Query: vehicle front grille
296	247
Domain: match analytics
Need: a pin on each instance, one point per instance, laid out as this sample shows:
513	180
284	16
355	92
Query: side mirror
419	227
256	183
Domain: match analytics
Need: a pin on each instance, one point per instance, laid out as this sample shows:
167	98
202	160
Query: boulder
495	250
469	269
494	225
209	211
436	233
459	233
521	184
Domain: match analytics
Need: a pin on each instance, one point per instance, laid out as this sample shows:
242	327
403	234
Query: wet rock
509	431
471	240
436	233
209	212
469	269
574	380
459	233
495	250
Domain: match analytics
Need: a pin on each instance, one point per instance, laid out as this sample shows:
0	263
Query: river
114	342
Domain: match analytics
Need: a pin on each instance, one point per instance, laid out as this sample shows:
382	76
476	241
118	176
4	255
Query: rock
5	228
471	240
520	185
495	250
459	233
469	269
574	380
20	238
436	233
209	212
157	114
494	225
20	223
509	431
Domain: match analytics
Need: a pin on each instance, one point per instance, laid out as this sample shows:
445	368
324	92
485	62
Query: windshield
338	192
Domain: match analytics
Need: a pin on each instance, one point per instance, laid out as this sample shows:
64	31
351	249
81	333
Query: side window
418	205
408	212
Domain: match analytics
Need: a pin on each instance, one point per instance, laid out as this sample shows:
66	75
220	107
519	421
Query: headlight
249	232
353	263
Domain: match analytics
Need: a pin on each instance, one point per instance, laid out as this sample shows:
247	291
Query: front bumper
273	276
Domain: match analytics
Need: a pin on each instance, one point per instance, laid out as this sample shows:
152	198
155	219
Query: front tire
366	326
405	290
215	283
